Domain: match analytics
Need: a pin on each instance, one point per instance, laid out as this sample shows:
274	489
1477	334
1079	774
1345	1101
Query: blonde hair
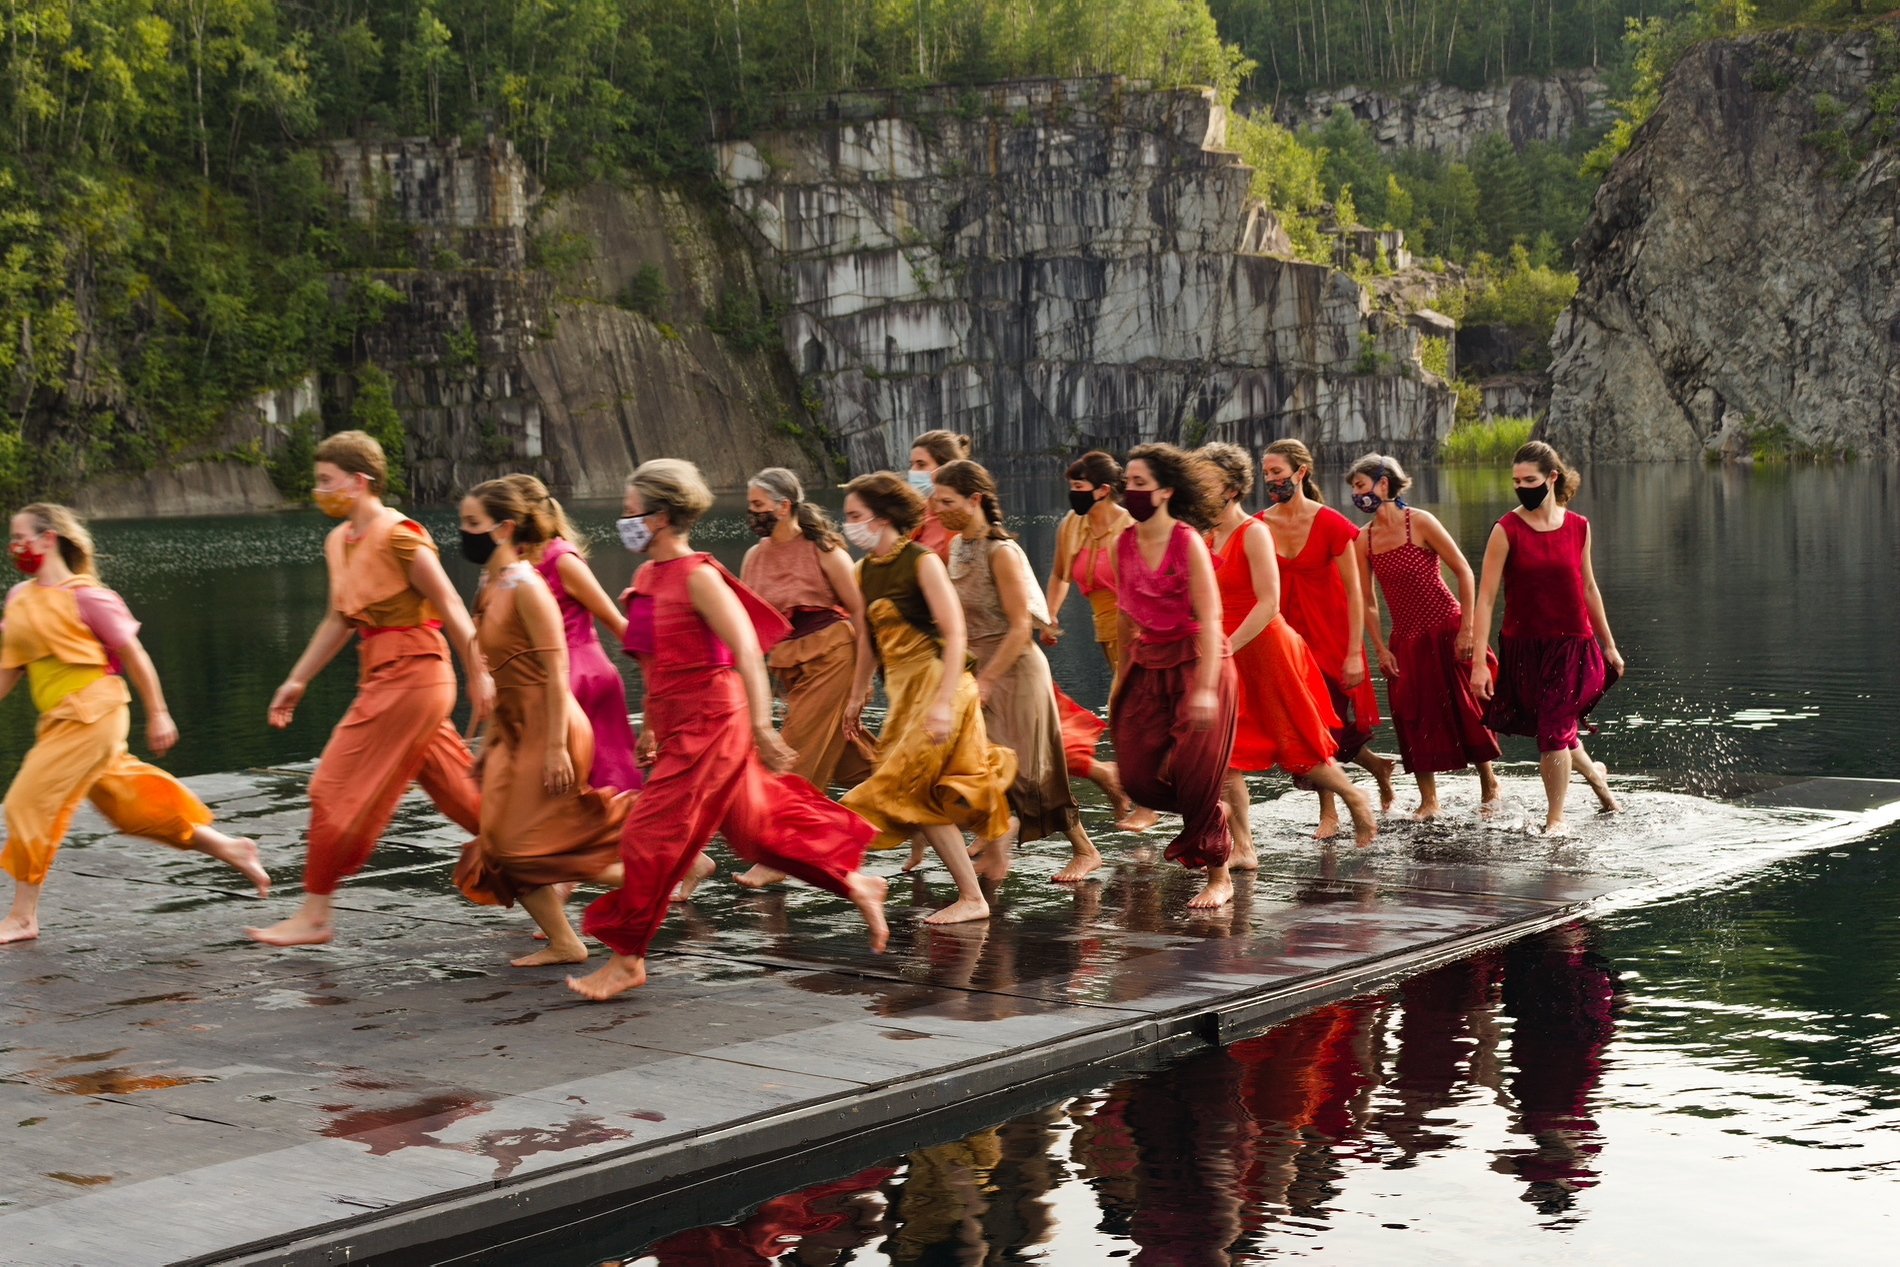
674	486
1298	455
1233	462
1382	466
943	447
357	453
552	519
1564	480
75	541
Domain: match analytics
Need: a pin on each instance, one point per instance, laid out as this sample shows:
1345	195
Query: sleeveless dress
594	680
813	668
707	776
65	637
1551	671
964	782
1313	600
1091	567
1440	724
1285	717
530	836
1021	714
1166	763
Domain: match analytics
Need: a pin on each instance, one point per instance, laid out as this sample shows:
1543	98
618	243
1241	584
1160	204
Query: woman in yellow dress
75	643
937	771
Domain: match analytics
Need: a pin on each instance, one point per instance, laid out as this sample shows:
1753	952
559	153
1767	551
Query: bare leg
1128	815
1379	768
310	926
916	860
867	893
703	867
1218	892
23	921
547	906
1597	775
615	977
1328	815
992	857
1428	798
233	851
566	890
1490	794
1233	790
1084	856
970	903
1555	769
1331	778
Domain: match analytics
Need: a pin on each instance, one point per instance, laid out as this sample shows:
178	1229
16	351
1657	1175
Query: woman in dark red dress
1286	717
714	754
1174	708
1551	670
1322	595
1427	661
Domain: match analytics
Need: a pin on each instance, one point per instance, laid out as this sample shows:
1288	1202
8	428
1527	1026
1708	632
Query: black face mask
1081	503
1280	492
762	522
1532	498
478	547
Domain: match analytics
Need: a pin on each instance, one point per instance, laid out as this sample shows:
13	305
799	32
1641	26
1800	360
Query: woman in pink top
1175	707
1552	671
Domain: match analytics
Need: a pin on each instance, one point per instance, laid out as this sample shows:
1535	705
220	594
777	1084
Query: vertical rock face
1056	264
1447	120
1740	273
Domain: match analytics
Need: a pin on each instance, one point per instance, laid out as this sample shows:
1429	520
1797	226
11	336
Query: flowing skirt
1286	716
1439	722
1022	716
1546	687
602	695
1167	764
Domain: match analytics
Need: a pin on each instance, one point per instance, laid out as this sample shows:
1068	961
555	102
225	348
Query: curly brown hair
1233	462
1194	481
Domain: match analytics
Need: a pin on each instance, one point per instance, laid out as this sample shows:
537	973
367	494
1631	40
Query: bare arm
1353	671
1375	628
332	633
428	579
1594	597
1265	571
1057	592
866	666
720	608
1496	550
584	588
934	580
1435	538
160	732
541	617
1204	593
837	569
1014	583
10	678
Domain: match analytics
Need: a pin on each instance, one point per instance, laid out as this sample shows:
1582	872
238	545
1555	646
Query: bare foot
1244	858
867	893
993	863
1556	827
702	867
1388	795
241	852
1426	812
576	953
1135	817
963	911
1606	801
759	877
1219	892
917	855
295	931
1488	810
1079	869
1364	826
13	929
615	977
1328	827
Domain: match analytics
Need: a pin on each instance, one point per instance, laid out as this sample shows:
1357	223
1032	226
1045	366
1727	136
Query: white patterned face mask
862	535
634	533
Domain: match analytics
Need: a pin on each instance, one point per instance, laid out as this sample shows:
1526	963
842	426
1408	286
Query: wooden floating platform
172	1093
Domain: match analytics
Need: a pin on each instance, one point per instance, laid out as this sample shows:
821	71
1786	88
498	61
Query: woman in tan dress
1001	607
542	826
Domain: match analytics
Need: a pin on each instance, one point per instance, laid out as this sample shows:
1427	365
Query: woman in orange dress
1322	595
1286	716
717	763
544	828
389	592
75	643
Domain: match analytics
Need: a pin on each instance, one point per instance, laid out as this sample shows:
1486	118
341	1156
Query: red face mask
27	559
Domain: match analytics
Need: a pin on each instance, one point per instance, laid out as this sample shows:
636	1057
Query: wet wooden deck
170	1092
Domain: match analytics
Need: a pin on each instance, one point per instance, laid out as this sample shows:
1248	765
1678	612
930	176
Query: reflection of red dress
1285	714
1313	600
771	1231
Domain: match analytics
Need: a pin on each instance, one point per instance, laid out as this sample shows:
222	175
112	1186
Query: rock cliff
1740	273
1050	265
1447	120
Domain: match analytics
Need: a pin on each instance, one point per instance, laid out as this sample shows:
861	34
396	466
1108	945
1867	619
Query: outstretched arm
332	633
584	588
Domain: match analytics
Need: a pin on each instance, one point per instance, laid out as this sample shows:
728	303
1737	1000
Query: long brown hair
1100	469
1299	457
553	519
943	447
504	500
967	479
1194	481
1564	480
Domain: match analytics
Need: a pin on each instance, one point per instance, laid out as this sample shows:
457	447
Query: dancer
1085	549
544	828
561	559
1440	724
1322	596
929	451
937	771
717	760
1285	713
388	588
1551	671
75	643
1173	715
1001	606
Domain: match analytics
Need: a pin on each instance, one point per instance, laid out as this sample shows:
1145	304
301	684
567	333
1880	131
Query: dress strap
1408	525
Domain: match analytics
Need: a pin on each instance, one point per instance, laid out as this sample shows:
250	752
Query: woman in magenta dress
1427	662
597	687
1322	596
715	757
1175	705
1285	714
1551	669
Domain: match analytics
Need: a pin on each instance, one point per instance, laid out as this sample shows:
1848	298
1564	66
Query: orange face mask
336	503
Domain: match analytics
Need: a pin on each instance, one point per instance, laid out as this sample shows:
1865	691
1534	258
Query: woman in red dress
709	737
1427	662
1322	596
1286	717
1174	710
1551	670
